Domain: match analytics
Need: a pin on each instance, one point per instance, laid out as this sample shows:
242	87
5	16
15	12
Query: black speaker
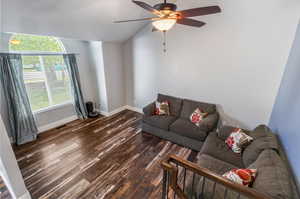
90	110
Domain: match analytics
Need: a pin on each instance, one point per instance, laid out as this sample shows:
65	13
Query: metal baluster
225	194
239	196
177	182
203	185
214	190
165	185
193	183
184	175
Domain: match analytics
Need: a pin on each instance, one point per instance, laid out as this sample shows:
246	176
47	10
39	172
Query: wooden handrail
173	171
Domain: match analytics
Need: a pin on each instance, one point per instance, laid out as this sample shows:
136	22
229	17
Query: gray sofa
177	127
273	177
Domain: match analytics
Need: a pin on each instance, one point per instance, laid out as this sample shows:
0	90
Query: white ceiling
80	19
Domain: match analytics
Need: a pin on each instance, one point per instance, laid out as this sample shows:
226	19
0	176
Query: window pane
58	79
35	83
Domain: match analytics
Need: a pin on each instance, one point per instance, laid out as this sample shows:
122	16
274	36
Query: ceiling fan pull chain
165	41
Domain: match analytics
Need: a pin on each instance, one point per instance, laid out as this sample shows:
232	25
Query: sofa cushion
266	158
260	131
160	121
188	129
253	150
272	175
174	102
217	148
213	164
189	107
273	181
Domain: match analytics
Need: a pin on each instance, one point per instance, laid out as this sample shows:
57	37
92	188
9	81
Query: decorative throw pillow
241	176
237	140
162	108
197	116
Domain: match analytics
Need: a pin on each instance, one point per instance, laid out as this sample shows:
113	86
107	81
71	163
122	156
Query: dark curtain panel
21	120
79	104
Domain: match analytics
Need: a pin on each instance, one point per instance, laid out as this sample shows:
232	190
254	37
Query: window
46	77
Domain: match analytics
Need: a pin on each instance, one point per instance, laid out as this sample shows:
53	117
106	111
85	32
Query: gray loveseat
177	127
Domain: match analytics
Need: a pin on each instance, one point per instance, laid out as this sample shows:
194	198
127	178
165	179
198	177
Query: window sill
51	108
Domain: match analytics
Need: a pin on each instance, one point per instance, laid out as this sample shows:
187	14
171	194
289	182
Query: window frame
54	106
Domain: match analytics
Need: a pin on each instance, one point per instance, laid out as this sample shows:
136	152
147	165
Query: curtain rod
38	54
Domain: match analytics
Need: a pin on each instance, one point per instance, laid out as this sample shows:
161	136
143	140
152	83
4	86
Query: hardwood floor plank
106	157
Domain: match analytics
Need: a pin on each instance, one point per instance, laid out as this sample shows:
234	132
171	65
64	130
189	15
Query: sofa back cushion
174	103
189	106
272	177
263	139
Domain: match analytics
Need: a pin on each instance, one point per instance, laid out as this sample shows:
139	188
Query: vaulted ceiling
80	19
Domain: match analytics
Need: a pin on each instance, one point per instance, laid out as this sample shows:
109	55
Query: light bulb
164	24
15	42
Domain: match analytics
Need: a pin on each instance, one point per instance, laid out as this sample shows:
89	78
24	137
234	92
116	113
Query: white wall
107	58
9	169
236	60
114	74
98	69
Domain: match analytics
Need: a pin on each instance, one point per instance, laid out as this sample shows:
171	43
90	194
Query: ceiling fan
167	16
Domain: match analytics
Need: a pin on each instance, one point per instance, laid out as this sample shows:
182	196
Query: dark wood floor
4	193
107	157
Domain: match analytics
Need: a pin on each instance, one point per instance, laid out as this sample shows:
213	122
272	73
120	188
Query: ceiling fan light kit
166	15
164	24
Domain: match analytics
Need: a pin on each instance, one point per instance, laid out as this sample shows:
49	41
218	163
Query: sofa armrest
149	109
210	122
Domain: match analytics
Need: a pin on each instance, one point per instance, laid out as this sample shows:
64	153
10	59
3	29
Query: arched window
46	78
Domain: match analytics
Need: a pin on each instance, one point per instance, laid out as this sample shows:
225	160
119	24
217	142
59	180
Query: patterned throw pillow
237	140
241	176
197	116
162	108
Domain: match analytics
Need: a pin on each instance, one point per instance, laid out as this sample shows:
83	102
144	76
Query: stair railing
174	181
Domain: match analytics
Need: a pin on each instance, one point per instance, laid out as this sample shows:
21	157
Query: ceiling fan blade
147	7
200	11
132	20
190	22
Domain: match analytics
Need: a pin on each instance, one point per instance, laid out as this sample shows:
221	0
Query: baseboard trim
117	110
126	107
56	124
26	195
139	110
103	112
107	114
